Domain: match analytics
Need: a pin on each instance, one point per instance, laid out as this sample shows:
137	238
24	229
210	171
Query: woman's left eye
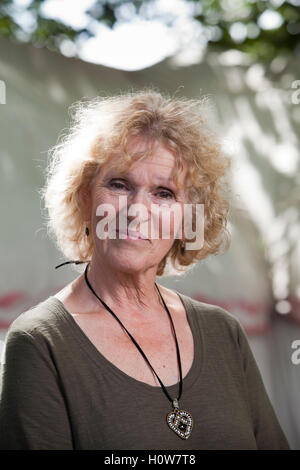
166	194
117	185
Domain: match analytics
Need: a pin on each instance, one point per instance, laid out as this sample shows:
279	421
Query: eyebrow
114	174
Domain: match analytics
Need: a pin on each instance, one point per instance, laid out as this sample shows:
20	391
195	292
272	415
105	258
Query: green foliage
218	17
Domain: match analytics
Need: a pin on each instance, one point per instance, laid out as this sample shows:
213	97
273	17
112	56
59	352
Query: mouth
131	235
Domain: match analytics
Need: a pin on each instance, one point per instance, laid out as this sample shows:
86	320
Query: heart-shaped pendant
181	422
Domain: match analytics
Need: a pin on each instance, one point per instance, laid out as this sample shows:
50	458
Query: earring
182	248
87	232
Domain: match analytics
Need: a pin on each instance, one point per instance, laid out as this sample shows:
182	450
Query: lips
133	235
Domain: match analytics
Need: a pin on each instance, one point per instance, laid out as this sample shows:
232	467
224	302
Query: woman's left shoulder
210	313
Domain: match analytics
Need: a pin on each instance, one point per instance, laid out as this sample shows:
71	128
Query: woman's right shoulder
39	318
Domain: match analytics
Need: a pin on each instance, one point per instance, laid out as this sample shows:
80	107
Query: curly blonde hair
105	123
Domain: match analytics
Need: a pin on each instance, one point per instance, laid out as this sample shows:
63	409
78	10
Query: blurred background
244	55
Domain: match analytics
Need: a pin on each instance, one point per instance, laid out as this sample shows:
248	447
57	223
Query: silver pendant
180	421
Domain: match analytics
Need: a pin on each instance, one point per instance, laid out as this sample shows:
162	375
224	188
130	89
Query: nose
139	209
139	196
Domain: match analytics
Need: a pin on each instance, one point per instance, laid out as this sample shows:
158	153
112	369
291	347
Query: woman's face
149	184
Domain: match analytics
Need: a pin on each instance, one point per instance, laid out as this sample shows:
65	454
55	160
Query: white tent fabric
259	127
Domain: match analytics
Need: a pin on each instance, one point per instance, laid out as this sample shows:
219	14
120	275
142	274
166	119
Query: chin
130	268
129	262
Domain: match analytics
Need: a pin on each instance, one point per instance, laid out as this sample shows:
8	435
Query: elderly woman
115	360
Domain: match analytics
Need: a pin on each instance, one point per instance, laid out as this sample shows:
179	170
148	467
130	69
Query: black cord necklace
180	421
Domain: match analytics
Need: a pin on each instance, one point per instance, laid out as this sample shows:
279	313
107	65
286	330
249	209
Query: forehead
159	162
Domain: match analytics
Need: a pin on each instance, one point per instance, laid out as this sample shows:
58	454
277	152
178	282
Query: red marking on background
250	307
8	300
294	314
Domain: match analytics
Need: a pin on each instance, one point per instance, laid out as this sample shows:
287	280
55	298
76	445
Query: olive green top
60	392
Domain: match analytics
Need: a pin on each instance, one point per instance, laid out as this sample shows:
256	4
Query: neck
135	292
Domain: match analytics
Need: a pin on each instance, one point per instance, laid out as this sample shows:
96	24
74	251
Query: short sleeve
267	430
33	413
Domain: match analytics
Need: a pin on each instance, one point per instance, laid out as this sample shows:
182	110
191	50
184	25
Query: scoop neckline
99	359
